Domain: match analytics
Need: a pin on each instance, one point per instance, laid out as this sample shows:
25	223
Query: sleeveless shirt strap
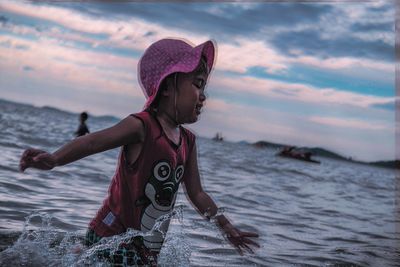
190	138
142	117
150	122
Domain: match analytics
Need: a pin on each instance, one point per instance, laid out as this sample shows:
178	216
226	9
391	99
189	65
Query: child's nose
202	97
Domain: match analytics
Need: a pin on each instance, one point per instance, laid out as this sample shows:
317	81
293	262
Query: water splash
41	244
89	256
176	250
213	223
45	246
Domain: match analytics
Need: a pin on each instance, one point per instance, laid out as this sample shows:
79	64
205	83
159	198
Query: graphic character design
159	200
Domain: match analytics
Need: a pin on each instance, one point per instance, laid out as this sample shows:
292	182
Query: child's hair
202	68
84	116
163	87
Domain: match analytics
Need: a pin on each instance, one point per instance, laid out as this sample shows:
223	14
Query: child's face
190	97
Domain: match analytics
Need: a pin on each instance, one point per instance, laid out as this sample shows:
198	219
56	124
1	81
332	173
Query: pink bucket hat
168	56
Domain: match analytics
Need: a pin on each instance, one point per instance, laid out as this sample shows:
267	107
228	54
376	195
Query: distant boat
218	137
288	152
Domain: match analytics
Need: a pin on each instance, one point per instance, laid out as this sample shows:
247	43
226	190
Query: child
83	129
157	153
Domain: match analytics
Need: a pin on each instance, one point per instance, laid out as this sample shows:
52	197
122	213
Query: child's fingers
249	249
232	232
22	166
41	156
30	152
37	158
30	158
23	163
239	250
25	154
249	234
251	242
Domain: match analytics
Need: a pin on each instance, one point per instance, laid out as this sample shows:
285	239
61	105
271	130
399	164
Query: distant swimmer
83	129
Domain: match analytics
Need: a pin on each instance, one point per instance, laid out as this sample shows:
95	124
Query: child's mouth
198	109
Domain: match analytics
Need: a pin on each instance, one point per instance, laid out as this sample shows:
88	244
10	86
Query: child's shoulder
187	131
143	116
189	134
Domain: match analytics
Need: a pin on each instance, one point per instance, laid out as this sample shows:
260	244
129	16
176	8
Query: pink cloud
350	137
86	70
343	63
351	123
267	88
132	34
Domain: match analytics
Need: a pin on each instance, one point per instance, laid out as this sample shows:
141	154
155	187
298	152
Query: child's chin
192	119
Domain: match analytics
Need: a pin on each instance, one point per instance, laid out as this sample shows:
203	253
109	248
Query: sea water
335	213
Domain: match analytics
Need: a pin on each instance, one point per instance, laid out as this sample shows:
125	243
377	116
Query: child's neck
170	127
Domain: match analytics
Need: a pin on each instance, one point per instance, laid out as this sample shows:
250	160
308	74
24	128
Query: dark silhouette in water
218	137
290	153
83	129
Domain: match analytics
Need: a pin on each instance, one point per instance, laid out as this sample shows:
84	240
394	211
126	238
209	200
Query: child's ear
168	87
165	91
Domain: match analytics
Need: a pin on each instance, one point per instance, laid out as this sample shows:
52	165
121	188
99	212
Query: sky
316	74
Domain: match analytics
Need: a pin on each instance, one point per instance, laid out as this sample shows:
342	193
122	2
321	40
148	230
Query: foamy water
306	214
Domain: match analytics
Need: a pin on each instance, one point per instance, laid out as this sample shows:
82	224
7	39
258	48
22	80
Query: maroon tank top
146	190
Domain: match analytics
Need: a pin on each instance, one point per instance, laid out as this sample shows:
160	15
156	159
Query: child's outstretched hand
35	158
240	240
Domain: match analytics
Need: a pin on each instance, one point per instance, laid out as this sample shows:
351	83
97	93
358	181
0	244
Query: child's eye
199	83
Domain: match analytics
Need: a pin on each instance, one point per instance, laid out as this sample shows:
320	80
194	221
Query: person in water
82	129
157	154
287	150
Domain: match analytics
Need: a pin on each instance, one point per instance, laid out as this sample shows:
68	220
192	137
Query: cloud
83	66
390	105
62	16
338	63
247	53
347	30
70	62
369	26
86	70
237	54
132	33
222	20
3	19
272	89
311	43
348	136
350	123
239	121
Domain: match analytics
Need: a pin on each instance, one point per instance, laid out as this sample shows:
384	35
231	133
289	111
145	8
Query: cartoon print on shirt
160	193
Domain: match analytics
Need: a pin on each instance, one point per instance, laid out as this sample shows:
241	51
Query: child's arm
128	131
206	206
